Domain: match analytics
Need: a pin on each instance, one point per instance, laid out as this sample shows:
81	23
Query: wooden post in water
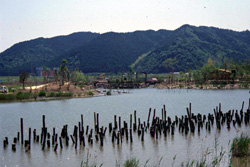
149	112
55	147
18	134
118	137
119	123
75	137
135	120
115	122
131	121
113	137
131	136
165	113
95	121
97	125
43	121
82	124
44	137
110	127
29	136
13	147
73	141
60	139
142	136
87	129
21	121
34	134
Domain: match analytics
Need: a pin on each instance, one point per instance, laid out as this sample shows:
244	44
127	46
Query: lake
68	111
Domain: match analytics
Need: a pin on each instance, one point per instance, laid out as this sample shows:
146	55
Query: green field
15	79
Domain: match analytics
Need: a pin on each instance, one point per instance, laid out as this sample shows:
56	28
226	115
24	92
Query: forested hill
40	52
187	47
114	52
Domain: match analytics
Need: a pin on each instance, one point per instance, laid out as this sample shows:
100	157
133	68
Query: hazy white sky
22	20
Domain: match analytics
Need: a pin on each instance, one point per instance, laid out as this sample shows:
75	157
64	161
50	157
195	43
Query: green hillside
25	56
190	47
113	52
187	47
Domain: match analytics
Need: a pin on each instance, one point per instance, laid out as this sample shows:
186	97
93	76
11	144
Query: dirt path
36	87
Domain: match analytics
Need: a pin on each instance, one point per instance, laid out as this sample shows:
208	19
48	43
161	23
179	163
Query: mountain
40	52
187	47
113	52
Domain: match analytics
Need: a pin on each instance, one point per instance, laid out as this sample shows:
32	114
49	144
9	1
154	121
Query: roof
223	70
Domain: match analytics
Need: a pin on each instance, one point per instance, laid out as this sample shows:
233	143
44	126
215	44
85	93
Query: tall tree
46	70
56	75
77	77
63	70
23	77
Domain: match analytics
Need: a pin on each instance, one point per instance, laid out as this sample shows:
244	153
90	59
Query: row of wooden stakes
118	133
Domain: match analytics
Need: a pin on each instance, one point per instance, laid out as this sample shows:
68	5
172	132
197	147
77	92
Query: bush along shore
47	92
33	96
154	126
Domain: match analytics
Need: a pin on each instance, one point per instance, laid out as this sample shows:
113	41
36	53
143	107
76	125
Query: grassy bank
28	95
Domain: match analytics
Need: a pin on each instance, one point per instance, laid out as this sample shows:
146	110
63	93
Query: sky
22	20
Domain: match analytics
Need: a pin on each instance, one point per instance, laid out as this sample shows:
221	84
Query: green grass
13	79
7	97
245	85
90	93
51	94
42	93
61	94
67	94
133	162
21	96
241	146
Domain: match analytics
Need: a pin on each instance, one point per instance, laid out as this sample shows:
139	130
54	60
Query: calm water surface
61	112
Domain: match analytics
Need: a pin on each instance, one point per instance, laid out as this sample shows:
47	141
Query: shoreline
98	93
195	86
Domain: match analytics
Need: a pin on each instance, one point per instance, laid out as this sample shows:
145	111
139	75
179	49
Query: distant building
50	73
220	74
167	79
176	73
152	80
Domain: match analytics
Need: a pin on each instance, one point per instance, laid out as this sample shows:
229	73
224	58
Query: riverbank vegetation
237	156
63	83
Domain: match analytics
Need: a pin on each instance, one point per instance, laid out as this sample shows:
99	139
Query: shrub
245	85
67	94
42	93
223	85
241	146
90	93
59	94
131	163
21	95
7	97
51	94
26	95
108	93
35	95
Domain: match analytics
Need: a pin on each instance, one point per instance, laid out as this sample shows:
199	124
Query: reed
241	146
